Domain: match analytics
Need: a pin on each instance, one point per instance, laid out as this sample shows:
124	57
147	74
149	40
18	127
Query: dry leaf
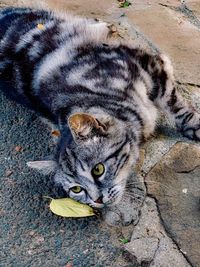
18	148
55	133
67	207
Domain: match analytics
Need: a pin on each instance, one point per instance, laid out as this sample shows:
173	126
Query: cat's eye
76	189
98	170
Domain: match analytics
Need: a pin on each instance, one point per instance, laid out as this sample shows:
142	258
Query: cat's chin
97	206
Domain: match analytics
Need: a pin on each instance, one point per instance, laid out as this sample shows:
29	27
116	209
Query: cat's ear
84	125
43	166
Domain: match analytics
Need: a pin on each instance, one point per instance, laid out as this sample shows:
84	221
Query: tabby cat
101	96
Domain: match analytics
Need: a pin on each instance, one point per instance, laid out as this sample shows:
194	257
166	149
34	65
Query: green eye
76	189
98	170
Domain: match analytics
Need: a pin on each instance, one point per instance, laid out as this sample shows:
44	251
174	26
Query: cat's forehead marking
84	173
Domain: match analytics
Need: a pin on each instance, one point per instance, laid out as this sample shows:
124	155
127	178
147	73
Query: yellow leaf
67	207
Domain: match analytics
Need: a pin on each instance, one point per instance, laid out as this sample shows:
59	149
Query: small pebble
113	28
30	252
32	233
184	252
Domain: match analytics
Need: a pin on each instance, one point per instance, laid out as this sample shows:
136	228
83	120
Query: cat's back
25	31
38	32
35	45
15	22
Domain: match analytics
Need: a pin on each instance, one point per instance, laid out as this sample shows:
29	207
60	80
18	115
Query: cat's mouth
99	200
100	203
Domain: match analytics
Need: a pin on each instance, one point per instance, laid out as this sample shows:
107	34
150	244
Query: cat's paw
117	217
127	211
191	126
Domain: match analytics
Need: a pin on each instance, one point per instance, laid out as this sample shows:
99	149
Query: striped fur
67	66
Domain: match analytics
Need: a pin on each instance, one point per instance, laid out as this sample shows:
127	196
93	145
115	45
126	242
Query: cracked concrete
32	236
186	11
174	183
150	243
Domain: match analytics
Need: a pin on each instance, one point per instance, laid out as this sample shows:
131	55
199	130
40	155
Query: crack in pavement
167	232
190	84
185	11
151	243
180	216
188	171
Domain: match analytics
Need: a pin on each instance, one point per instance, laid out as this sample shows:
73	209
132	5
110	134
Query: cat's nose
99	200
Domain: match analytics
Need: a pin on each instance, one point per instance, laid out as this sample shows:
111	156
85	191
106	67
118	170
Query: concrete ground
168	232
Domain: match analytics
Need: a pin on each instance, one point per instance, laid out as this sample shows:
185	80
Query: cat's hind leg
165	95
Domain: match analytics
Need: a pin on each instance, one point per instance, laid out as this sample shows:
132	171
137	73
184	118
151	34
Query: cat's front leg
127	211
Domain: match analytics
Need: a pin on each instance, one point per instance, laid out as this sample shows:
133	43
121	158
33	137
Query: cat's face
95	171
94	167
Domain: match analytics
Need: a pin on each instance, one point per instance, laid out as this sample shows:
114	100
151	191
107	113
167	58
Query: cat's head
94	159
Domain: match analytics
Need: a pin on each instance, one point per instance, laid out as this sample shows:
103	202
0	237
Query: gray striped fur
69	66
